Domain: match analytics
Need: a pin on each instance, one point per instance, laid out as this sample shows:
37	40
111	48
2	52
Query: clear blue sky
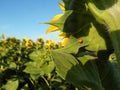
20	18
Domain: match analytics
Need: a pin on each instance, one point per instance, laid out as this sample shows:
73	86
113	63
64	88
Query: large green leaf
81	24
109	15
82	76
109	74
97	38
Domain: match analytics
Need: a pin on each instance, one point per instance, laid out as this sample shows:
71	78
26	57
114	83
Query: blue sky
20	18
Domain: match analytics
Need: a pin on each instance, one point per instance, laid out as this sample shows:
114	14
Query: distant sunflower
28	43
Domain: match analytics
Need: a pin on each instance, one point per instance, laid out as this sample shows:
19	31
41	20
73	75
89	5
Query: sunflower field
28	65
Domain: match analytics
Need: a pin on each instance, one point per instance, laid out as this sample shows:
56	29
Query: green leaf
70	69
84	59
84	26
41	65
12	65
109	74
73	46
109	15
38	55
97	37
81	24
36	68
10	85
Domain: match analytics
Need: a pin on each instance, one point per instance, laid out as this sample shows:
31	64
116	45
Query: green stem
47	82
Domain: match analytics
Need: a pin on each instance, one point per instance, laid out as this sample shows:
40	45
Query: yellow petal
52	28
65	41
62	35
56	17
61	5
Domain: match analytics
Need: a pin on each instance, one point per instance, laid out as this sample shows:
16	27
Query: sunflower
28	43
54	27
50	44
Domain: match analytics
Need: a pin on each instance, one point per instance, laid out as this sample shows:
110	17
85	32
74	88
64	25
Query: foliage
92	27
28	65
88	58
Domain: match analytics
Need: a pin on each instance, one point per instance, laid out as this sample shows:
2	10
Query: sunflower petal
62	35
52	28
61	5
56	17
65	41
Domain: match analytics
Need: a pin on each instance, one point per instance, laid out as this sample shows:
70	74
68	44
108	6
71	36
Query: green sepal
73	71
60	22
